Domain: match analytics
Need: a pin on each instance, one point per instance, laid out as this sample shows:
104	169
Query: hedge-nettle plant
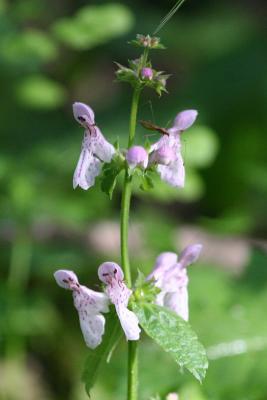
158	303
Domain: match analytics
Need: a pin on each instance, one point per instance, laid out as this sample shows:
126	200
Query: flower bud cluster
140	73
140	76
148	42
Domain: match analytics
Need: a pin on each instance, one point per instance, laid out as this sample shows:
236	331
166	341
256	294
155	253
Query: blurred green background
55	52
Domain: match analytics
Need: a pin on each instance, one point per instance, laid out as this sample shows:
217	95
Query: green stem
132	392
134	108
125	208
126	195
132	370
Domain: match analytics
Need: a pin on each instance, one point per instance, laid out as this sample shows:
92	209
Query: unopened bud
137	156
148	41
147	73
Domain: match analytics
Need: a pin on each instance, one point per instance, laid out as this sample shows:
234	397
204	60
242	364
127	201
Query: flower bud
147	73
143	40
137	156
148	41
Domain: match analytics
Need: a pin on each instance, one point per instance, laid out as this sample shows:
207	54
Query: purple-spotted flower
137	156
166	153
147	73
89	304
112	275
95	149
170	276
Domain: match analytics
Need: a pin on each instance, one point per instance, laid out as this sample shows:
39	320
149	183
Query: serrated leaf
175	336
96	357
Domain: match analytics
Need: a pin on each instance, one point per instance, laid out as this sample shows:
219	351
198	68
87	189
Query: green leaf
109	176
95	357
147	183
174	335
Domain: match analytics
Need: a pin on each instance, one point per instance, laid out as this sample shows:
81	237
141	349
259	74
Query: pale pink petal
171	277
108	271
164	155
100	146
183	121
167	154
163	141
66	279
166	260
89	305
83	114
94	302
112	275
92	327
174	173
129	322
163	262
174	278
178	302
87	169
190	254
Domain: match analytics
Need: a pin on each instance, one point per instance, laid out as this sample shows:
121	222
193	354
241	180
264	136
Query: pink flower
167	151
170	276
95	149
112	275
147	73
89	304
137	156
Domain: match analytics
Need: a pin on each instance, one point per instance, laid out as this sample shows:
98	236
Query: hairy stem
132	392
126	195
